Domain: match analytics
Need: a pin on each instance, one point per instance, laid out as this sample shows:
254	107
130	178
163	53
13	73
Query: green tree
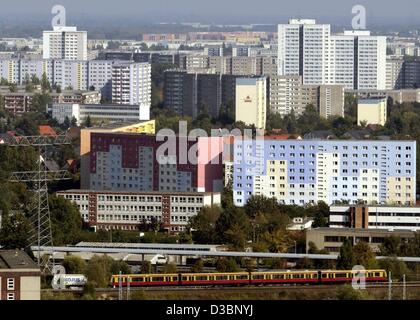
45	84
88	122
14	231
74	265
170	268
347	292
346	258
204	225
391	246
364	256
320	212
66	221
198	266
146	267
397	267
66	122
100	269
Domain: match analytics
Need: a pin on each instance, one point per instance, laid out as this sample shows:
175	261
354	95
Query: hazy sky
256	11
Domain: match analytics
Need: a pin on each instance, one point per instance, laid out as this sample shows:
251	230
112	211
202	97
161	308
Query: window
10	296
10	284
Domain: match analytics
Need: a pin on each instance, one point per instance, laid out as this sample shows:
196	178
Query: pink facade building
136	162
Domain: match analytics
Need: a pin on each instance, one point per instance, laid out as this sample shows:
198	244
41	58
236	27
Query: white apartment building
375	217
131	83
128	210
99	112
355	59
86	75
65	43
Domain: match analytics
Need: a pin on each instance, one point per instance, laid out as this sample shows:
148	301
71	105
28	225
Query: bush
170	268
138	295
347	292
74	265
197	267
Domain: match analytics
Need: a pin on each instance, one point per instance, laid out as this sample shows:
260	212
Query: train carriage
214	278
139	280
331	276
284	277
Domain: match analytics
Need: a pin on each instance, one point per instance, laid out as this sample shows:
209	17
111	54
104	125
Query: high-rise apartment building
131	83
65	43
190	94
287	93
251	101
307	171
394	74
354	59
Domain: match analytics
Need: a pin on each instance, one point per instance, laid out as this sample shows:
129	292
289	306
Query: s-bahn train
247	278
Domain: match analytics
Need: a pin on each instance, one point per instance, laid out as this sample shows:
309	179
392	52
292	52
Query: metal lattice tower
39	211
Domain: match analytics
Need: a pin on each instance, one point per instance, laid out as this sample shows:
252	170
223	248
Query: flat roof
120	124
376	206
174	246
354	230
16	259
137	192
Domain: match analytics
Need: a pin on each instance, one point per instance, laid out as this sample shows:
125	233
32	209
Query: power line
39	211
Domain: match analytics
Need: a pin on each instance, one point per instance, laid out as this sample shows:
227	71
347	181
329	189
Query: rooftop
175	193
16	259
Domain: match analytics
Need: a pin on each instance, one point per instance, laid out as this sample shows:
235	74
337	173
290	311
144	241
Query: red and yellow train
247	278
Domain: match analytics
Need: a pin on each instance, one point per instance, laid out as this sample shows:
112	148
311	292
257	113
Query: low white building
99	112
300	223
375	217
128	210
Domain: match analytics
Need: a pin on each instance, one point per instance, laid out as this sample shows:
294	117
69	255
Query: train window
201	278
242	277
258	276
221	277
341	275
185	278
324	275
158	279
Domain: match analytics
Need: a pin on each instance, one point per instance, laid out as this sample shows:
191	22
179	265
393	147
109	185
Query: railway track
239	289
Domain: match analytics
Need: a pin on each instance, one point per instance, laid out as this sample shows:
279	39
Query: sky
220	11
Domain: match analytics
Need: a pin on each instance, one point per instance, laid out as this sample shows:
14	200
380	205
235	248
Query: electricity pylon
39	211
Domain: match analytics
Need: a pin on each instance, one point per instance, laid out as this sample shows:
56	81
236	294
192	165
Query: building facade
307	171
98	112
65	43
331	239
190	94
132	80
287	93
131	83
20	276
135	162
354	59
372	111
106	210
375	217
251	101
21	101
